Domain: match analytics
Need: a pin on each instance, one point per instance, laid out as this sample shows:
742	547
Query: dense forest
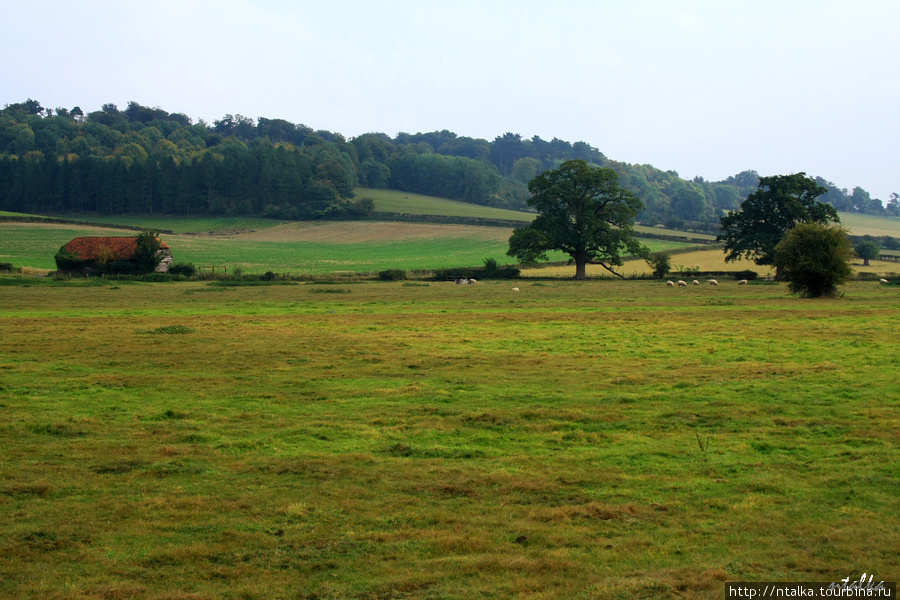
149	161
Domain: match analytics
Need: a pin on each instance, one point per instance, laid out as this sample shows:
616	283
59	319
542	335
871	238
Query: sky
706	88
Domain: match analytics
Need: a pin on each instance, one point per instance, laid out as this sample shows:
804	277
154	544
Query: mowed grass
870	224
419	204
702	260
297	247
574	440
182	225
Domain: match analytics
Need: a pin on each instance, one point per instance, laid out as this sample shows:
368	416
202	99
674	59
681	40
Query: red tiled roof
93	248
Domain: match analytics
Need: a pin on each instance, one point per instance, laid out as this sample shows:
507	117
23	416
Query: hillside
147	160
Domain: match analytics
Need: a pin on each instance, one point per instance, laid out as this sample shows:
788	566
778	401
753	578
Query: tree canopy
867	249
814	259
148	160
780	203
582	212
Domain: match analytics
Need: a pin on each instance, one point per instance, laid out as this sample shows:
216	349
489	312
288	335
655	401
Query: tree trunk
865	262
580	267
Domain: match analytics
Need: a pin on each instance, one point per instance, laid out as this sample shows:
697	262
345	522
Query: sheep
515	289
695	282
682	283
742	282
472	281
670	284
713	282
462	281
882	280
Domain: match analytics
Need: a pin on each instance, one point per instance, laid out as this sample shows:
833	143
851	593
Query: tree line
147	160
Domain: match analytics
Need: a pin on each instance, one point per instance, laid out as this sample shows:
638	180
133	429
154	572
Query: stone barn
94	255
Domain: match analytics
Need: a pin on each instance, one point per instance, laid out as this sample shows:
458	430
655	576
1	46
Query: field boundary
57	220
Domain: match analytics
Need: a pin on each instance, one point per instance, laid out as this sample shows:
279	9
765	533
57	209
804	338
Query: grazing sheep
882	281
515	289
472	281
462	281
713	282
695	282
682	283
670	284
742	282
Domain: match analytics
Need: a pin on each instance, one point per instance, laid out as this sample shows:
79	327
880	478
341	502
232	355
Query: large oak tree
582	212
779	204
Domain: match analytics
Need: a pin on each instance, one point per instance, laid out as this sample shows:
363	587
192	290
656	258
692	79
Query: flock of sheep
679	283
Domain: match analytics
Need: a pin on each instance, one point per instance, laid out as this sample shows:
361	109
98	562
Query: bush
748	275
814	259
392	275
186	269
491	269
6	267
487	272
156	277
660	263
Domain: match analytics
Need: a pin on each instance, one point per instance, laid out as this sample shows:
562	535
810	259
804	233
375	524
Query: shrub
487	272
660	263
748	275
156	277
814	259
6	267
67	261
146	258
185	269
392	275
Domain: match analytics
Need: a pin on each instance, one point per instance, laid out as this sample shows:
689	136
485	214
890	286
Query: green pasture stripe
25	244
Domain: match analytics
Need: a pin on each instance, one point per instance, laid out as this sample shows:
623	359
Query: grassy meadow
290	247
594	440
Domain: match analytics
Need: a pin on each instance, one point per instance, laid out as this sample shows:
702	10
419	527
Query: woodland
144	160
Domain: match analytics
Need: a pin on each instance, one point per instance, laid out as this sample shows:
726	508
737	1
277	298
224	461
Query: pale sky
701	87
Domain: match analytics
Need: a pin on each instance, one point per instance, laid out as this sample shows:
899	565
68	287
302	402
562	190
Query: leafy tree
146	258
506	150
864	203
814	259
780	203
525	169
893	206
661	263
688	203
583	212
867	249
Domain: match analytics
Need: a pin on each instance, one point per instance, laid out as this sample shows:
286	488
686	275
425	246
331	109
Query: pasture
290	247
593	440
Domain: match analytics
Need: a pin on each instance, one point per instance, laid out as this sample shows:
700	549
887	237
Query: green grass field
870	224
591	440
418	204
296	248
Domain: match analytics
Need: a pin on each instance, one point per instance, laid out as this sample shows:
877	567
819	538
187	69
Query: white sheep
695	282
713	282
670	284
742	282
472	281
882	281
682	283
515	289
